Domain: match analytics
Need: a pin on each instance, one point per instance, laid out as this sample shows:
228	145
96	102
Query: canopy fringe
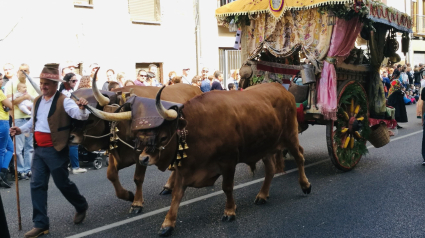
331	2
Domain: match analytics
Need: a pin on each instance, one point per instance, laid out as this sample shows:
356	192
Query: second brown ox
95	133
221	130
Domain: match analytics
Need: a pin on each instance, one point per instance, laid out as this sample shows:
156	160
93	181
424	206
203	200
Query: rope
125	143
97	137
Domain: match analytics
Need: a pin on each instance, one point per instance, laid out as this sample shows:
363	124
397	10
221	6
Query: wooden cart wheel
345	137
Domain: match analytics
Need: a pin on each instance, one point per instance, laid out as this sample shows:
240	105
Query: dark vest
59	121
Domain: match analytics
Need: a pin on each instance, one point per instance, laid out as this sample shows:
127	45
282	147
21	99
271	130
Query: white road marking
165	209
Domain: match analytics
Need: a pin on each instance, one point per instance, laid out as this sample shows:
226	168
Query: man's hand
14	130
81	103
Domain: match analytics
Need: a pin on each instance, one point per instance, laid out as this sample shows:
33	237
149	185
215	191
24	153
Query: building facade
122	35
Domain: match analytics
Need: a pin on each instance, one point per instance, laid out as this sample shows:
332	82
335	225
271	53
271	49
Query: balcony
419	25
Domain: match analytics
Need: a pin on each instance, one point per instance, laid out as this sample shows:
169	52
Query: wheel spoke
345	143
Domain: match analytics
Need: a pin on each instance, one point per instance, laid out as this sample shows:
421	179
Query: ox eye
163	139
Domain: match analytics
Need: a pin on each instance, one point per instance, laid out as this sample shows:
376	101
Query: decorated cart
316	40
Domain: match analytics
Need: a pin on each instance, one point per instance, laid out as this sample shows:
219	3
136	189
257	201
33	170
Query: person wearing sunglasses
66	88
142	76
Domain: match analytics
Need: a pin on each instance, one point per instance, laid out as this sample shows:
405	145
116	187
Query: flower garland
348	11
390	14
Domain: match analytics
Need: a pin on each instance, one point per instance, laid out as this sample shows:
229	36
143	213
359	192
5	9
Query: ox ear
182	123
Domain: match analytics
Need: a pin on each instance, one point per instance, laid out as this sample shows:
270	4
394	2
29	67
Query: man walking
51	122
24	144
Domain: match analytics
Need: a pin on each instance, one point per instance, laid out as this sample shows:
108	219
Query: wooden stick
16	165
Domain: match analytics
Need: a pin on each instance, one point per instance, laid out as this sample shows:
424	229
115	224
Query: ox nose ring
144	160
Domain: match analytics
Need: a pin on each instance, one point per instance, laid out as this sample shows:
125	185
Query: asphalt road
381	197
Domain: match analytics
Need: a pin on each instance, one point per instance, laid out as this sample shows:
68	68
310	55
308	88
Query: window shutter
143	10
82	2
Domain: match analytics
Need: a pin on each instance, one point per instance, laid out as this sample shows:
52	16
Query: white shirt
186	80
42	125
67	93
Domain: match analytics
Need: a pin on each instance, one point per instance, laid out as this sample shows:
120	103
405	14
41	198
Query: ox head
246	73
157	124
89	133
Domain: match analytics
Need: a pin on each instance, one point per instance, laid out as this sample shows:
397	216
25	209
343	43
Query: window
83	3
229	60
144	11
224	2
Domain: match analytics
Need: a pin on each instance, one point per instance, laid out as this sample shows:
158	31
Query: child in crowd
26	105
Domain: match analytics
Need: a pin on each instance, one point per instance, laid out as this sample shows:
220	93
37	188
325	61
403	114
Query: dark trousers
48	161
423	140
4	230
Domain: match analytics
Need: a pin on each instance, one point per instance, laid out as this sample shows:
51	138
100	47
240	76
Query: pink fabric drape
343	38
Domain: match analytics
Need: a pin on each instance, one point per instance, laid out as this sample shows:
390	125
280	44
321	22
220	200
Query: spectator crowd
17	89
403	86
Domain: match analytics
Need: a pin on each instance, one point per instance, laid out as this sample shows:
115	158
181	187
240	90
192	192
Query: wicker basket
379	136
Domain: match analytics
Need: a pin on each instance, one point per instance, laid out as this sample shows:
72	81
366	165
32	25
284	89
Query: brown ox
91	135
224	129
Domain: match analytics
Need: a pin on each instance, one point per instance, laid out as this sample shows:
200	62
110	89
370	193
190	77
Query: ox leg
227	186
264	191
168	187
298	152
177	195
112	175
139	177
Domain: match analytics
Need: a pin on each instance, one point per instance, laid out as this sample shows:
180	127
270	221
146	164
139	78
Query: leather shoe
36	232
80	216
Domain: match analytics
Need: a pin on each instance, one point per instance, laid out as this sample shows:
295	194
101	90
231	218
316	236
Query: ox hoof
135	209
130	196
166	191
307	190
166	231
260	201
228	218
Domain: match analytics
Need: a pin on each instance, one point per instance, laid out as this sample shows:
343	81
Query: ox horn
102	100
169	114
107	116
